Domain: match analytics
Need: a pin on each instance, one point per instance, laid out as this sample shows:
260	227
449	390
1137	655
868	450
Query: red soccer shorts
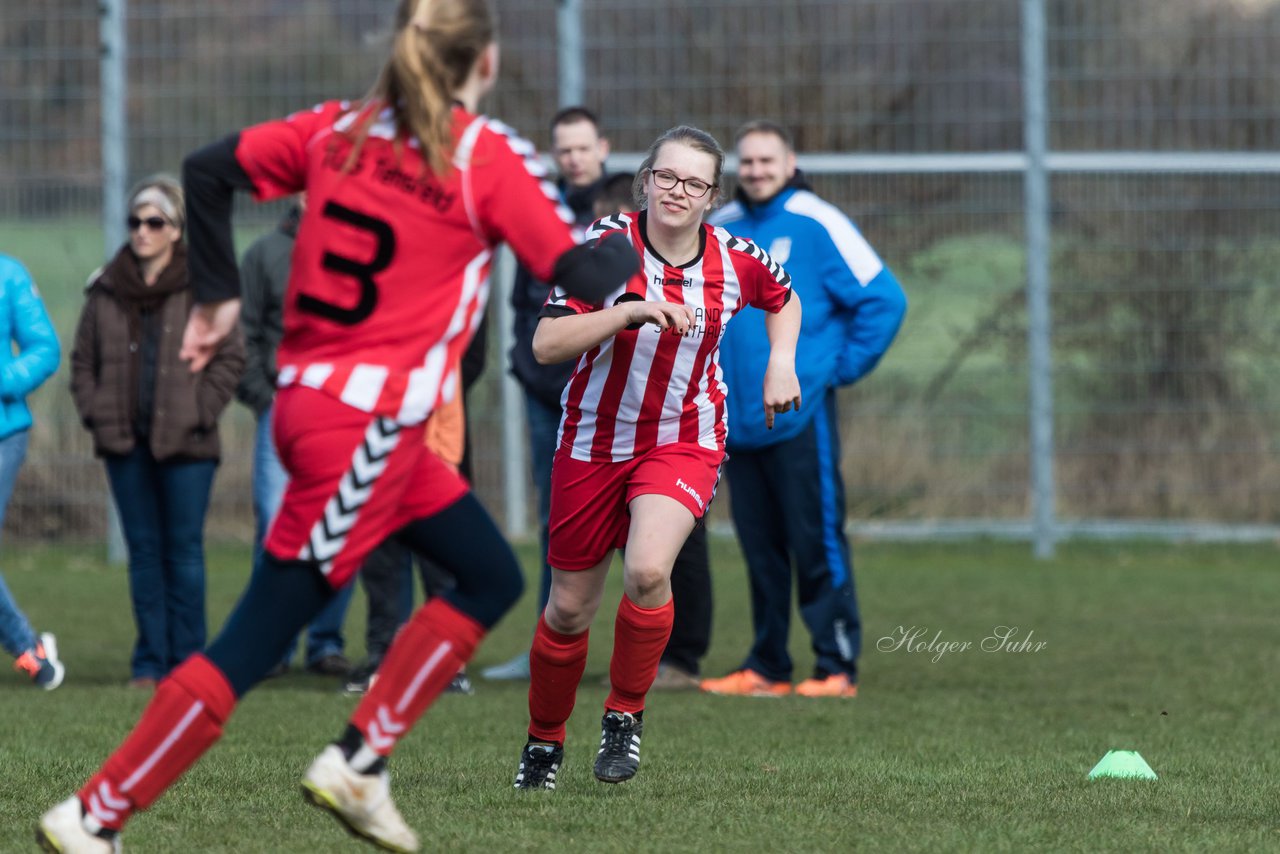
354	479
589	501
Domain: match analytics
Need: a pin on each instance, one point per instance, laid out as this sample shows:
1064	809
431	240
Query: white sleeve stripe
466	143
858	255
462	162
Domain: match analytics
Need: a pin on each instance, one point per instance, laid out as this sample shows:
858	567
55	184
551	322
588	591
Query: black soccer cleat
539	764
619	756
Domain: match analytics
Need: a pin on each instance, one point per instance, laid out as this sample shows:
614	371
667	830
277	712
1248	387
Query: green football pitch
966	735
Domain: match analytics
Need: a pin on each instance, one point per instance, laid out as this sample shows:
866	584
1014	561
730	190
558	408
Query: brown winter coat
104	368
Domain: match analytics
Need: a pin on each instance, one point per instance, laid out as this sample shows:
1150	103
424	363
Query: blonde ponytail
435	46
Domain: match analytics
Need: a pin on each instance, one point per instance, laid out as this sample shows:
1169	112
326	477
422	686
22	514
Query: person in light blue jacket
24	322
785	486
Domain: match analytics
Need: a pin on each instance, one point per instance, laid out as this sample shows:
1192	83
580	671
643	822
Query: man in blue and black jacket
784	483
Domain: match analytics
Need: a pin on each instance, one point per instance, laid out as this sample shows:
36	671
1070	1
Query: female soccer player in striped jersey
642	438
409	192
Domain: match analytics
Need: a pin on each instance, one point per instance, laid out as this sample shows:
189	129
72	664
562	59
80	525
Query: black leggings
462	539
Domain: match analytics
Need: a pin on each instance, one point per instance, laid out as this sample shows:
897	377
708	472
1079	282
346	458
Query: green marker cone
1123	763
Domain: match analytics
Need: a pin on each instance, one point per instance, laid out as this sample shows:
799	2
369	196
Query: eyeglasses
695	187
155	223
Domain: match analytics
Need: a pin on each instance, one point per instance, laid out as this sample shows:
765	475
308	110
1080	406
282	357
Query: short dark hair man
579	150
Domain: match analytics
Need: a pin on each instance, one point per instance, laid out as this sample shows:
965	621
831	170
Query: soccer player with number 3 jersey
409	192
642	438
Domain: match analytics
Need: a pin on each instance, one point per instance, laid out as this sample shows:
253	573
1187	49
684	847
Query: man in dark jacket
264	274
579	151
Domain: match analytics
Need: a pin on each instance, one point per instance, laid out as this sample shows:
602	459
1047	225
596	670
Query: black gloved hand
591	272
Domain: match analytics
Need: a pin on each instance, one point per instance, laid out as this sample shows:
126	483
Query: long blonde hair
435	45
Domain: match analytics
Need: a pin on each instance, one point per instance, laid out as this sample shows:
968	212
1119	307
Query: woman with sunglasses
409	192
642	438
154	423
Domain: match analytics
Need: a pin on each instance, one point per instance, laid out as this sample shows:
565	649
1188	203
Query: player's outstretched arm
210	178
558	339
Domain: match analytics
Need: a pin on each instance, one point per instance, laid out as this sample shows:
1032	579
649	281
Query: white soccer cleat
362	802
62	831
49	645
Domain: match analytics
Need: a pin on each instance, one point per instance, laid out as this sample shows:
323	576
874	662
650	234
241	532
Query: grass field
1171	651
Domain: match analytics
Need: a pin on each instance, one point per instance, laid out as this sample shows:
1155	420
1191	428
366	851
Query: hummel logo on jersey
672	280
689	489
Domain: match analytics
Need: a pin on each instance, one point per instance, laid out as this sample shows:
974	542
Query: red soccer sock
423	659
556	663
181	722
639	637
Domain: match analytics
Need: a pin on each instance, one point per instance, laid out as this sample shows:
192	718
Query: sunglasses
155	223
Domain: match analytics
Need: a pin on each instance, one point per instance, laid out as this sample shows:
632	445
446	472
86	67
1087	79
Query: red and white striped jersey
391	267
645	387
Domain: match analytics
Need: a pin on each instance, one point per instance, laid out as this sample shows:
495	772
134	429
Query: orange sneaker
746	683
836	685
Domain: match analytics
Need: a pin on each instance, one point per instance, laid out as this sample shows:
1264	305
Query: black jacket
544	382
264	273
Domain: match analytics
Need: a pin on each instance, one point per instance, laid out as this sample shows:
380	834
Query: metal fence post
1037	247
514	461
515	493
113	98
569	51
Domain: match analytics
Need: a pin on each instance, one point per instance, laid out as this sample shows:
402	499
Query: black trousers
390	599
788	508
387	576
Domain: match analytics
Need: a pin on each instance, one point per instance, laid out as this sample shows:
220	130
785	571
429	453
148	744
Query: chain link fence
1164	283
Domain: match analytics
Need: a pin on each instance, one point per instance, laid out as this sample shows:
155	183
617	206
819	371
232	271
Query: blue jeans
544	431
162	509
15	632
324	634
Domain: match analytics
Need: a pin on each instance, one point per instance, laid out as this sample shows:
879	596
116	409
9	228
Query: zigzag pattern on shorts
329	534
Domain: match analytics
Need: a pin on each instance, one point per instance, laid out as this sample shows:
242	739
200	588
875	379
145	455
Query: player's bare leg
659	527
